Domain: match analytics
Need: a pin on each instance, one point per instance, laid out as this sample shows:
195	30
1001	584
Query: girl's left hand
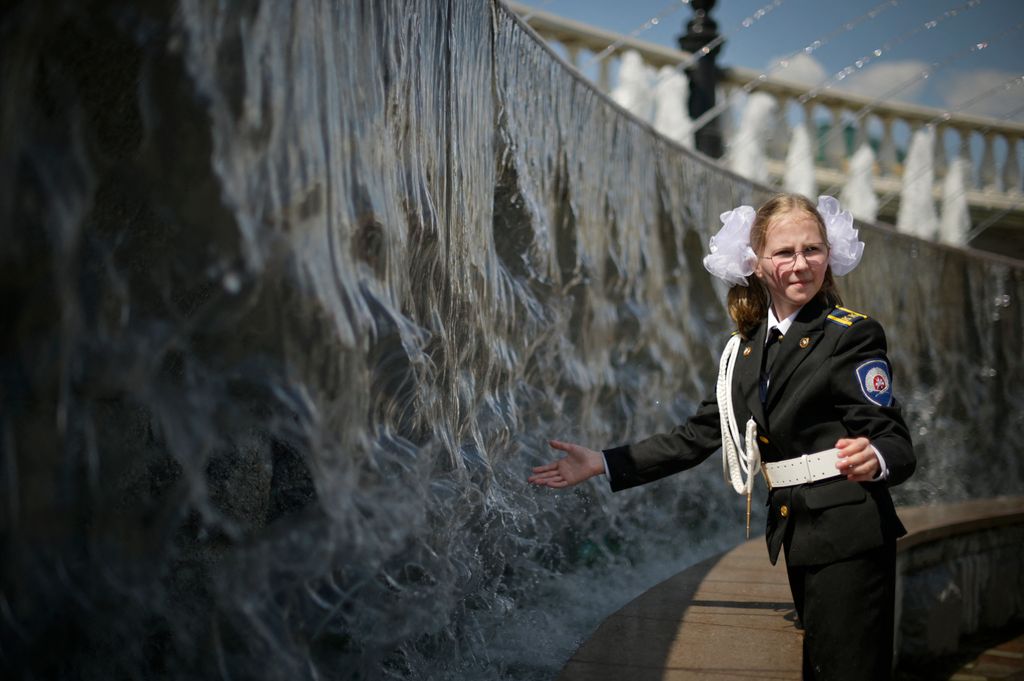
857	460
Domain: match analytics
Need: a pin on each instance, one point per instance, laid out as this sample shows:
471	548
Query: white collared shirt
782	326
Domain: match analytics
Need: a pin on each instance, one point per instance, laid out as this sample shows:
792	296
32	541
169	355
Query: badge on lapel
873	377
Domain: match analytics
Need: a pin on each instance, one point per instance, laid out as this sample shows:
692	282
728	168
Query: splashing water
799	175
634	91
858	194
298	291
956	219
917	205
747	152
671	91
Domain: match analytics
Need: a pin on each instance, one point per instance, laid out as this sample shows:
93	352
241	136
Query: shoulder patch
845	316
874	379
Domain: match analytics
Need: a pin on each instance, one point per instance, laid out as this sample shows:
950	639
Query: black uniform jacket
816	396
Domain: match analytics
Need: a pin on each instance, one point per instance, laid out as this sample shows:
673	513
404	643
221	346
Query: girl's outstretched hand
578	464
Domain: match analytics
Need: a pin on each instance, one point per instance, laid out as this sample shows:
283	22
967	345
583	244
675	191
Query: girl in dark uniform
813	384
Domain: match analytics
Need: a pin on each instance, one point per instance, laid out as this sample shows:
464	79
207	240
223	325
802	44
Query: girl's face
793	263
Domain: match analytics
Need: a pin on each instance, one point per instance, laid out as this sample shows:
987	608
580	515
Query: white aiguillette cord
739	466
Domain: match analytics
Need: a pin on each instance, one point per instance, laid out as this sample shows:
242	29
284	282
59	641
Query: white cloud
803	69
899	80
999	92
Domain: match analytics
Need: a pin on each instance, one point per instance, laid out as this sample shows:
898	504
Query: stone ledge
961	572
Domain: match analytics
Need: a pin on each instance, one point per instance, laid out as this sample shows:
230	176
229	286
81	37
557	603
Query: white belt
803	469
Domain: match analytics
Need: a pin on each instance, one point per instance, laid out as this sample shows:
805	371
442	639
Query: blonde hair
748	305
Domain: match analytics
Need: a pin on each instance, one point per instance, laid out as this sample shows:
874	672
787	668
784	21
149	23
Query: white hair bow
731	258
845	249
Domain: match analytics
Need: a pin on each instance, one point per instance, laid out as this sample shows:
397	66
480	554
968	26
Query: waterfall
858	194
298	291
917	206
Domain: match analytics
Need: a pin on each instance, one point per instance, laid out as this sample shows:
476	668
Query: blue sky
899	30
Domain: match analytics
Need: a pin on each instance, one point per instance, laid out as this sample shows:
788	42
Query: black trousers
847	610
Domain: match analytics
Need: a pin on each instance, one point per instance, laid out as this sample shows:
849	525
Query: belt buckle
768	480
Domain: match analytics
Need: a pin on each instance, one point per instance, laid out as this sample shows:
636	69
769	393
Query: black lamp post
703	75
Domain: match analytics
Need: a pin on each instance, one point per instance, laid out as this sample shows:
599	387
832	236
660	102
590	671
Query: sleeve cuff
883	470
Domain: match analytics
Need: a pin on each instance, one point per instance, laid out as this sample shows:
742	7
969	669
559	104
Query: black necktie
771	349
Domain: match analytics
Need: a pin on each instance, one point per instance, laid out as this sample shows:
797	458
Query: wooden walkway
732	617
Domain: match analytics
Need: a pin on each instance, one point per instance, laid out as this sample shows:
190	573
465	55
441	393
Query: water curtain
297	291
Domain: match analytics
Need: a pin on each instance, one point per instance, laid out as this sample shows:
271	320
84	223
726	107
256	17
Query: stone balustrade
996	182
841	121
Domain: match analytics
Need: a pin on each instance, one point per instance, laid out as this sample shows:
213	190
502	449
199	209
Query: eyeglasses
814	255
